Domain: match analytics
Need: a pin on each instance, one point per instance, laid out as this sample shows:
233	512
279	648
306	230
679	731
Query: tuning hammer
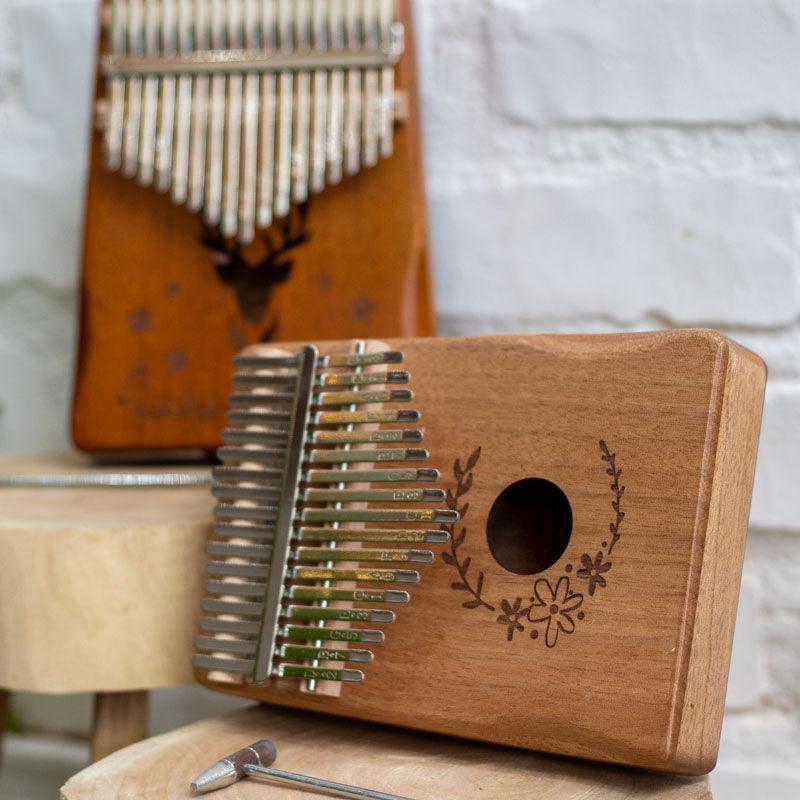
255	760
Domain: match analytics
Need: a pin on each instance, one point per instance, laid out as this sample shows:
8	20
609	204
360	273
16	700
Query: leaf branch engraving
463	485
617	489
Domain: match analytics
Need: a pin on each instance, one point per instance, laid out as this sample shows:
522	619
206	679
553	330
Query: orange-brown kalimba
209	222
555	567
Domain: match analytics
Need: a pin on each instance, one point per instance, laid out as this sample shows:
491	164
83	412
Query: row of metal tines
244	141
342	550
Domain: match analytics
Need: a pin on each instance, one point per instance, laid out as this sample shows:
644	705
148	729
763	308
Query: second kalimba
549	529
219	126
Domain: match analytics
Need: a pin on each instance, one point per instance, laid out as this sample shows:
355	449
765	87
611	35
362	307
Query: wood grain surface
120	719
421	766
619	650
160	322
99	588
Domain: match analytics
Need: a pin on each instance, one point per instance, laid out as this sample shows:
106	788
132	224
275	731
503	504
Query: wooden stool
99	592
416	765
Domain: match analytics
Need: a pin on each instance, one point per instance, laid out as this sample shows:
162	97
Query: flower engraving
511	615
554	607
592	571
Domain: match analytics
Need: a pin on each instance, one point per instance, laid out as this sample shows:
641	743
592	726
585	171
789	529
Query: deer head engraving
253	282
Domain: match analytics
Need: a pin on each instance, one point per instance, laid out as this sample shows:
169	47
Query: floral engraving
551	610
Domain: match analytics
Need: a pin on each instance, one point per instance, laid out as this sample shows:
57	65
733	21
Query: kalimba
219	125
588	500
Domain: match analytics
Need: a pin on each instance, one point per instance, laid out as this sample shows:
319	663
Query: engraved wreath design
551	610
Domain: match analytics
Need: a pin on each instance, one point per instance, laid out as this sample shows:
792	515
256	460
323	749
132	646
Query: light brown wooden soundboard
619	651
421	766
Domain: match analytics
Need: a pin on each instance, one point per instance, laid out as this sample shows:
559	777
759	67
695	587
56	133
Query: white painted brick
44	141
776	492
690	61
693	251
744	681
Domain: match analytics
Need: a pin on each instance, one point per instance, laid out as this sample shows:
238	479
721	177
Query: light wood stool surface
417	765
99	589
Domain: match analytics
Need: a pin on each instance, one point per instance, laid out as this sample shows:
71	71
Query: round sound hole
529	526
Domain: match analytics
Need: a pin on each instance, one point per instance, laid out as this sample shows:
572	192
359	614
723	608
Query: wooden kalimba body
255	176
583	507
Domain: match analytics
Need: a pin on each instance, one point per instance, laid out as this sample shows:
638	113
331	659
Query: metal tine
331	634
371	455
298	652
318	673
334	149
112	136
249	157
200	112
248	417
240	626
228	569
212	205
378	616
302	117
233	125
364	397
337	360
248	435
365	437
243	589
283	169
229	492
372	535
353	110
147	143
387	99
257	417
366	575
260	532
223	664
183	108
236	550
259	399
371	475
166	111
234	607
377	515
266	129
260	455
372	495
363	556
365	417
393	596
214	645
319	105
242	474
258	513
370	121
323	380
133	91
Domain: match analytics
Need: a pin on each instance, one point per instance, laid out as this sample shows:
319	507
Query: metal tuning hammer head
319	499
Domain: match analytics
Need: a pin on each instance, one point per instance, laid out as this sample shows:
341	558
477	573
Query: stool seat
417	765
100	588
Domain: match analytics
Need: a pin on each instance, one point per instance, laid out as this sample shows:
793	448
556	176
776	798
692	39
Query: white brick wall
593	165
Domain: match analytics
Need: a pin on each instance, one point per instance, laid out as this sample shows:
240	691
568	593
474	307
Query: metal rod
341	789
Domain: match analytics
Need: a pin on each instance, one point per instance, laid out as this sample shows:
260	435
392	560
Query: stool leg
5	708
120	719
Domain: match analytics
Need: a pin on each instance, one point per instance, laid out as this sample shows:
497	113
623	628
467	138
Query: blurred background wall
592	165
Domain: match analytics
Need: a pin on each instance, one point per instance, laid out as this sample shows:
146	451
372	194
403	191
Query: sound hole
529	526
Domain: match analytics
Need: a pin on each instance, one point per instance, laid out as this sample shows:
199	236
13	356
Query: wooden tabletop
416	765
87	574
